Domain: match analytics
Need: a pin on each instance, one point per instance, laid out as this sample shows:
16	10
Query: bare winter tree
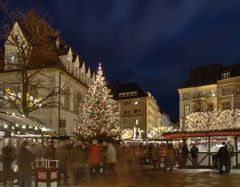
29	53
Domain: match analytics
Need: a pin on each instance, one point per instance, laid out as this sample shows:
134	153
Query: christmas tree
99	116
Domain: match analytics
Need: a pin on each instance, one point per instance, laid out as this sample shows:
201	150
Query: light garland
209	121
17	98
16	122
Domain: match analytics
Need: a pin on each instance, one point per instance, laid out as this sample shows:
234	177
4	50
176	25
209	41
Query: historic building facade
139	112
209	88
63	69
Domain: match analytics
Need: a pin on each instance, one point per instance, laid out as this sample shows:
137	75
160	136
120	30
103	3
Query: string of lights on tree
99	114
210	121
17	98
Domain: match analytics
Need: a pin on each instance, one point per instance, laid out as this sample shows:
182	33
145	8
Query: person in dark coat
24	161
184	155
194	155
62	154
8	155
223	156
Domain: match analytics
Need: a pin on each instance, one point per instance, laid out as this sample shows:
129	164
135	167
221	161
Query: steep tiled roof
127	87
45	52
203	75
209	74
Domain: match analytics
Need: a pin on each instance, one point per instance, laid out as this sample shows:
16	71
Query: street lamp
59	101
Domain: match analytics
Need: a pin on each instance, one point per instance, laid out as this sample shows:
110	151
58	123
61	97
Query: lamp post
59	101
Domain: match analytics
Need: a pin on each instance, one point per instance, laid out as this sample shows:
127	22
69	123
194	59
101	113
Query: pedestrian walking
8	155
170	157
184	155
224	158
194	155
111	159
62	155
76	162
95	158
24	161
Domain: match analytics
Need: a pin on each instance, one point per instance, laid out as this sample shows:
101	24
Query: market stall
14	127
208	143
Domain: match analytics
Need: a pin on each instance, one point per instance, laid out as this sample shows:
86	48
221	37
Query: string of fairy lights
17	98
17	123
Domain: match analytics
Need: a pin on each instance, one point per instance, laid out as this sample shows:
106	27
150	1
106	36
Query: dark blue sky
152	42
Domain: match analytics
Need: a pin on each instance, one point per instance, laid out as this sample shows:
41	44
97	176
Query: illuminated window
226	75
137	121
136	103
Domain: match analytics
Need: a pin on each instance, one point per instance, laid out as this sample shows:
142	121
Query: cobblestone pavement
147	177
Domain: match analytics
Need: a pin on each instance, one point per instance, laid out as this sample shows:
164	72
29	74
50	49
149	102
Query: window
127	103
226	91
198	94
76	102
210	107
186	96
186	109
197	107
211	93
226	105
237	105
226	75
238	90
126	111
136	111
67	99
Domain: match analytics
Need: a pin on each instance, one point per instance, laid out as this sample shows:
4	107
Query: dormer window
226	75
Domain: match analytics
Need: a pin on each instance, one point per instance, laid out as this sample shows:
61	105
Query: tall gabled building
138	110
53	68
209	88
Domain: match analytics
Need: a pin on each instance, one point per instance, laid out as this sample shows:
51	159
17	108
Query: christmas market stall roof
13	122
177	135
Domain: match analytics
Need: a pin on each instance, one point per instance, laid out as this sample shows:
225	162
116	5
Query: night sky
152	42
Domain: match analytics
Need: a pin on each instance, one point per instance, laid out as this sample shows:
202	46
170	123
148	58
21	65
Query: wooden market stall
208	143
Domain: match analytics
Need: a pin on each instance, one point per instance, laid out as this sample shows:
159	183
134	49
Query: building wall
132	113
50	115
229	93
74	80
196	99
138	115
152	114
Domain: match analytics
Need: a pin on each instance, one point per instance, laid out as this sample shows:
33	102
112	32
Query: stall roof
16	122
229	132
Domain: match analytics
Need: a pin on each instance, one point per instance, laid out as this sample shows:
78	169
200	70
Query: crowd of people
81	159
86	160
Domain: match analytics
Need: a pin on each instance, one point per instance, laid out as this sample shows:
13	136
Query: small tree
99	116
